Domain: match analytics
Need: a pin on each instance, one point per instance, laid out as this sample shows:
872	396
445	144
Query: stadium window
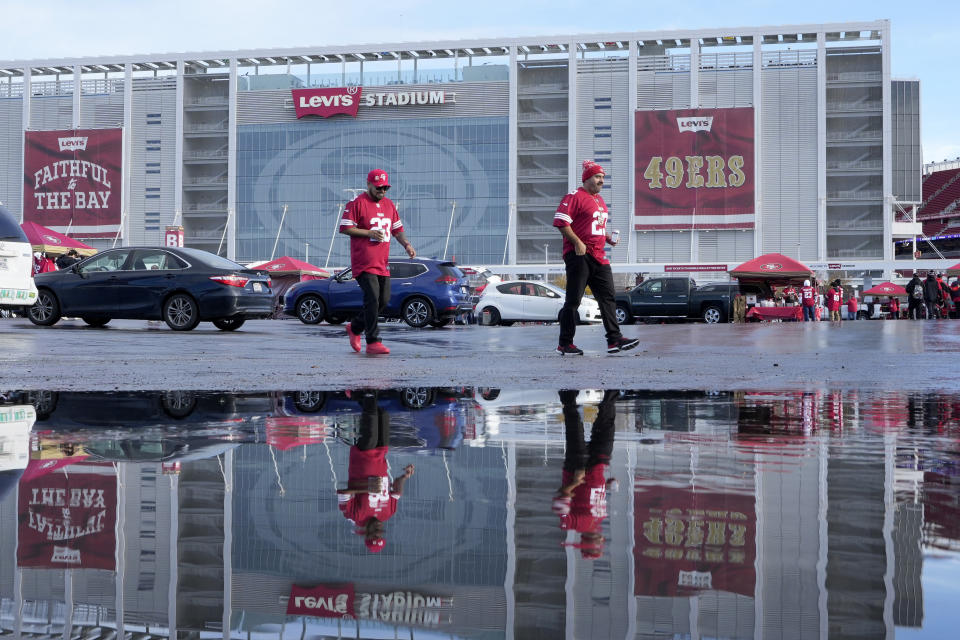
154	196
603	135
152	171
153	122
153	164
153	148
153	142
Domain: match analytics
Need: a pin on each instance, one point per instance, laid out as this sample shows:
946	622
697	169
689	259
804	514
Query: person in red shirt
582	221
894	308
808	298
370	499
581	501
370	220
853	305
834	301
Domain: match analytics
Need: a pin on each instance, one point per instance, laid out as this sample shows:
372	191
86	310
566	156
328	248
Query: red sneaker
377	348
354	338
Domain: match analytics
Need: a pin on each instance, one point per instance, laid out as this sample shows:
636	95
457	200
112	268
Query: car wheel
46	310
178	404
417	312
442	322
44	402
494	315
180	312
229	324
335	319
713	315
310	309
623	315
309	401
417	397
96	322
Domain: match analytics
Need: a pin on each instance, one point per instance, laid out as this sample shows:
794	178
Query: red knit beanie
590	168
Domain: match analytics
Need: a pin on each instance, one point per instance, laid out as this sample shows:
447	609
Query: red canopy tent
772	267
886	289
285	266
53	242
954	270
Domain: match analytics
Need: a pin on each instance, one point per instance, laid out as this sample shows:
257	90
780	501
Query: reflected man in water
370	498
581	501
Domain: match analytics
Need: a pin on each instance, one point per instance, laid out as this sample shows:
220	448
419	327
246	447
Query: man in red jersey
582	220
581	501
370	499
808	300
370	219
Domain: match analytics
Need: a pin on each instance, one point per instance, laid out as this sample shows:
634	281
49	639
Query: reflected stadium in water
478	513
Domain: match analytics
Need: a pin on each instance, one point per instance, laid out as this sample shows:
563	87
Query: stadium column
232	163
632	150
77	91
127	147
888	197
821	147
572	151
178	148
694	104
510	250
757	145
27	92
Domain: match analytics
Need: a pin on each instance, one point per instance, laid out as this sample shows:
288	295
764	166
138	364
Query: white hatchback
527	301
16	265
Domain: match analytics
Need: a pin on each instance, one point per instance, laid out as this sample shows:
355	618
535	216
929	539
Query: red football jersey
588	506
834	299
808	295
360	507
587	215
363	213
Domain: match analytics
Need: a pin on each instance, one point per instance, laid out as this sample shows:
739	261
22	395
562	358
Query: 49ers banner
72	179
694	169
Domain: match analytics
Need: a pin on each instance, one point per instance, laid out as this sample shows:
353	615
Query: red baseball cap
378	177
375	545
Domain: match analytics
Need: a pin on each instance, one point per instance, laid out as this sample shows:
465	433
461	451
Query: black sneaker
622	344
569	350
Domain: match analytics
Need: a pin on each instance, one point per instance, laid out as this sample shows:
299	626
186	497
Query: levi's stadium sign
347	100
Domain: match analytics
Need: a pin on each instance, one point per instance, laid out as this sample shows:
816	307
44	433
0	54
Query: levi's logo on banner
694	169
77	143
326	102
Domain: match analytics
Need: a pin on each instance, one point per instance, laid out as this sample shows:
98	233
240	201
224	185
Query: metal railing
207	128
218	154
855	164
208	101
870	105
555	87
855	225
840	136
855	76
531	145
542	173
206	182
539	116
855	195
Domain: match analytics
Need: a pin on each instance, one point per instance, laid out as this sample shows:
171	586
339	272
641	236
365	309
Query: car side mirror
76	269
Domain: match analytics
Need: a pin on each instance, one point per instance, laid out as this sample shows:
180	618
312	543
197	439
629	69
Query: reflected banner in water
479	513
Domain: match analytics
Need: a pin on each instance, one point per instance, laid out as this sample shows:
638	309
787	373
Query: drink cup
615	236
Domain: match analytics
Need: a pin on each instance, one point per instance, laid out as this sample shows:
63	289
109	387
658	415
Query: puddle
479	513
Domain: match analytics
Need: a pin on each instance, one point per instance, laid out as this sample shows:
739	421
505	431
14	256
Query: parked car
17	289
179	286
528	301
680	298
423	292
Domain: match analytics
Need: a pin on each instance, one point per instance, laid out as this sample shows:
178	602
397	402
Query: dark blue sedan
422	292
177	285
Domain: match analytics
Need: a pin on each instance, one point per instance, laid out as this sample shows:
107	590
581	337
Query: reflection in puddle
478	513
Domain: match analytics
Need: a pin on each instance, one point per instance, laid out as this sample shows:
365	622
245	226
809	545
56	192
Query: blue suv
422	292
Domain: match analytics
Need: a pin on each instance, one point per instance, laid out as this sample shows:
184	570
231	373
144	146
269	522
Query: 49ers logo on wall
694	169
71	179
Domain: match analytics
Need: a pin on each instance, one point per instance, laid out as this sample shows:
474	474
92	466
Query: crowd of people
927	298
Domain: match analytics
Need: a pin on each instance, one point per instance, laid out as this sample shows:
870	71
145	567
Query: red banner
321	601
326	102
694	169
688	541
73	179
694	267
67	521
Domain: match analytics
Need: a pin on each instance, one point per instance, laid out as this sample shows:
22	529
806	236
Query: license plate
257	286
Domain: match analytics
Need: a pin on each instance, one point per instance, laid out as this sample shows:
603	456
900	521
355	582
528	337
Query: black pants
374	422
582	271
376	295
579	454
914	309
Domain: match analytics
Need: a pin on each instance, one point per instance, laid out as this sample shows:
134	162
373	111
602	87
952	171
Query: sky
924	35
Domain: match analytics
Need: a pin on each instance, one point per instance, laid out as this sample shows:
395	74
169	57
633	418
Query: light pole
546	254
353	194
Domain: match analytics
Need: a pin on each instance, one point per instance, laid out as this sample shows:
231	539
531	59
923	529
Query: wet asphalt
288	355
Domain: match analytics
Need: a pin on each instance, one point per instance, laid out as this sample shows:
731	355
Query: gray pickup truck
681	298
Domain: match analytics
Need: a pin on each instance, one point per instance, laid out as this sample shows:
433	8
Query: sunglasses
383	188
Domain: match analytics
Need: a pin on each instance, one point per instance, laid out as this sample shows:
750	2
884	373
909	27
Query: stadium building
719	145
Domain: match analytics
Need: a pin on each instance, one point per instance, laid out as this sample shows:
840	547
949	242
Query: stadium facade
719	144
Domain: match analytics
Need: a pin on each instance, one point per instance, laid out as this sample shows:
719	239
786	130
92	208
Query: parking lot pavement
285	354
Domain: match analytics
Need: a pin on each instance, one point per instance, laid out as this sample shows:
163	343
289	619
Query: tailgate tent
286	272
886	289
772	267
52	242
